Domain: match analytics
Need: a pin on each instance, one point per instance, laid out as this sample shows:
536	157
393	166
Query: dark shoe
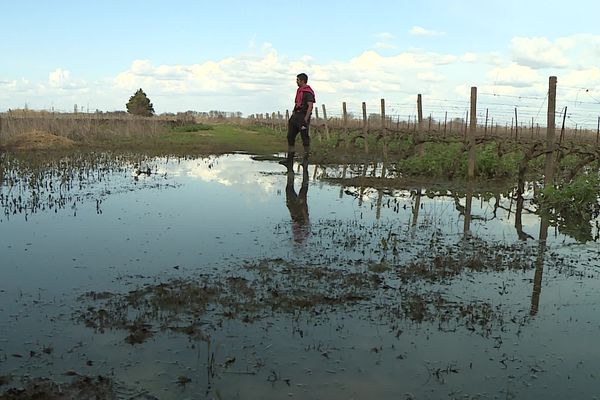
288	161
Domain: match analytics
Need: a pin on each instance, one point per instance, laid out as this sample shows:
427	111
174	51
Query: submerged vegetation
568	203
391	291
356	299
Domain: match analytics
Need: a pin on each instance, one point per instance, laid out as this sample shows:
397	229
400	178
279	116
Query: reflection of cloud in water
235	170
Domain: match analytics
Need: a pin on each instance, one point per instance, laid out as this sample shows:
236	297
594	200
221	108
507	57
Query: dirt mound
38	140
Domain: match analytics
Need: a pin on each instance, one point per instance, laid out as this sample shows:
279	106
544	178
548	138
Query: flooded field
234	277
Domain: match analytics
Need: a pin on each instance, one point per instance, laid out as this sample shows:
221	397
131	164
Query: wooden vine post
419	125
345	125
550	133
317	124
383	138
326	125
365	126
472	132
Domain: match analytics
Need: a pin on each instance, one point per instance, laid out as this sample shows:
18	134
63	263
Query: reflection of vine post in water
361	190
343	177
519	218
378	204
297	202
380	191
539	267
522	169
415	210
384	165
468	206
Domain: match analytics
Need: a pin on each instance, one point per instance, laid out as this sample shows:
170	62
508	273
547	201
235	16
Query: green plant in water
450	160
440	160
490	165
572	206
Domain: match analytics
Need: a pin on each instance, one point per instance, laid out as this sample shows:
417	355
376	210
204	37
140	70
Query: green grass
202	139
192	128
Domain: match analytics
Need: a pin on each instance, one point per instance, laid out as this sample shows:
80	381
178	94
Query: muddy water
228	277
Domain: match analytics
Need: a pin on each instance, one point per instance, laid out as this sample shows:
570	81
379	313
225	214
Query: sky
244	56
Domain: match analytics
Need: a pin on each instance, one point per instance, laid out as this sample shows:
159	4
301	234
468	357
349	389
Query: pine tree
139	104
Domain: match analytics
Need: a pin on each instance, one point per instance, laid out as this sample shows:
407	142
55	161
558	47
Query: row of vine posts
532	149
351	131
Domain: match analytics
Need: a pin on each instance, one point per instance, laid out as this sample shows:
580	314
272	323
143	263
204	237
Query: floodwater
229	277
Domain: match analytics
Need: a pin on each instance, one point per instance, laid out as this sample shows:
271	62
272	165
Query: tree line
140	104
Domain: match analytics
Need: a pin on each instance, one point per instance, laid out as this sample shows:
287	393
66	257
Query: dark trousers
294	127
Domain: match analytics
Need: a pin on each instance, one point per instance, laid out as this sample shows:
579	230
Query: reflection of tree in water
297	203
38	183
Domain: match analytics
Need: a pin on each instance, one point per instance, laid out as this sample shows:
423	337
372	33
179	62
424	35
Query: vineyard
446	255
558	164
470	147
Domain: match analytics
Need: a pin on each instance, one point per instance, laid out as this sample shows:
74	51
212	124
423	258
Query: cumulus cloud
7	85
585	78
420	31
59	77
469	57
514	75
235	75
430	77
539	52
263	80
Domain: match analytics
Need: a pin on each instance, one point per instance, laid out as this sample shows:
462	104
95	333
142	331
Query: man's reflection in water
297	203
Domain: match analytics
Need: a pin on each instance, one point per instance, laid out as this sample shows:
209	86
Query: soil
38	140
81	388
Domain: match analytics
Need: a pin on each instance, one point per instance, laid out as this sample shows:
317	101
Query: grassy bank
192	139
199	139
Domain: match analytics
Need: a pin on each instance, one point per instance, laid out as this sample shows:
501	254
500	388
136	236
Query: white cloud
470	57
430	77
420	31
249	178
514	75
263	80
384	41
586	78
384	46
59	77
384	36
230	75
539	52
9	85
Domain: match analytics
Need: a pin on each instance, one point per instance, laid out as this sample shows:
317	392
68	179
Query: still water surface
118	226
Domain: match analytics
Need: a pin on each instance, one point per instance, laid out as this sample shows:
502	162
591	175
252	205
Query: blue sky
243	56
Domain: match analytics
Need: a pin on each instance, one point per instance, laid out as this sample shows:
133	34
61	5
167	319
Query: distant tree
139	104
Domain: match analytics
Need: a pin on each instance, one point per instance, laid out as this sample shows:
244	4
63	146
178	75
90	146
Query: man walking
300	120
